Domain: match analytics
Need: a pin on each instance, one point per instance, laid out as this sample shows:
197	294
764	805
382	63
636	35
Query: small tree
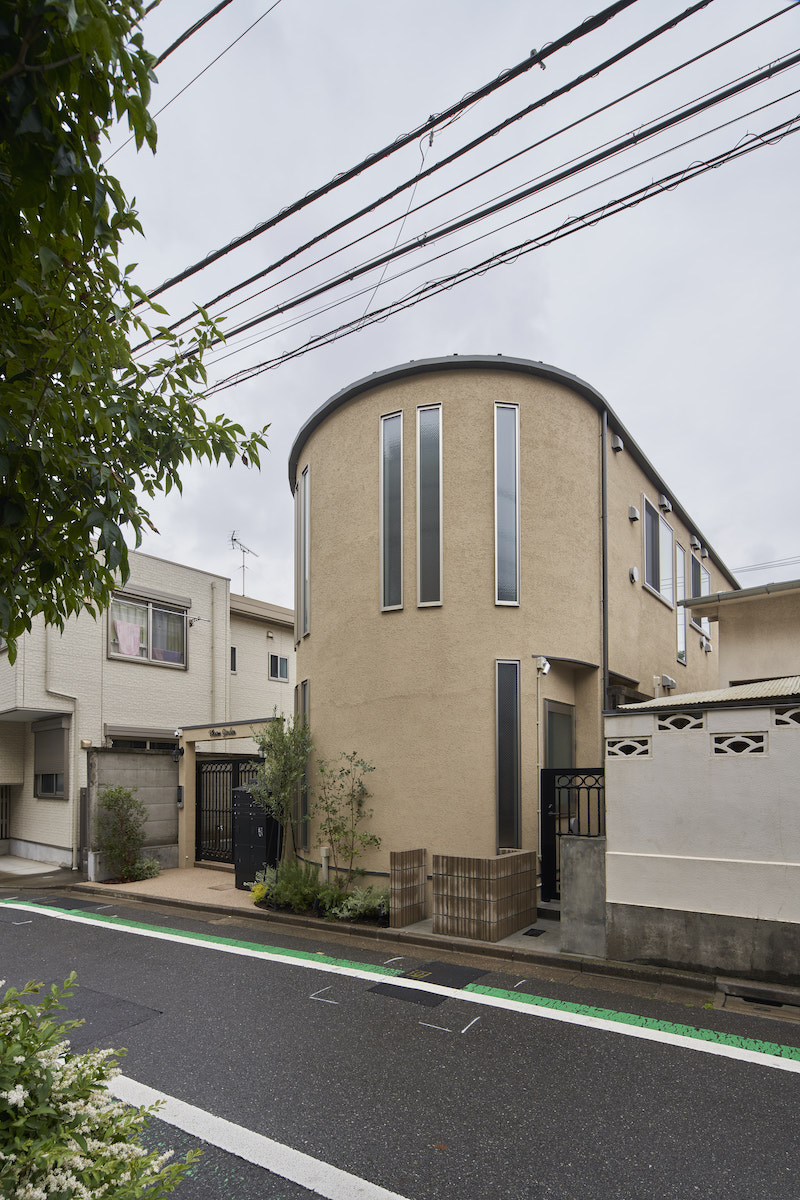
340	798
286	745
121	818
62	1134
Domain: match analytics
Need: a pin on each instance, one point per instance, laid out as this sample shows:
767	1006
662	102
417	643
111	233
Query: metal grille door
214	828
572	802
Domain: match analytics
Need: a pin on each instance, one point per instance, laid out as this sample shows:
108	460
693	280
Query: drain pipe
324	853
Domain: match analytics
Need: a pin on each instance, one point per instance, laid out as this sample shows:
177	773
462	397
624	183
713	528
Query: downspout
213	647
604	551
76	808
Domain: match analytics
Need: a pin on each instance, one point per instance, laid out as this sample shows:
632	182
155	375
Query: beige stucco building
175	648
758	631
485	561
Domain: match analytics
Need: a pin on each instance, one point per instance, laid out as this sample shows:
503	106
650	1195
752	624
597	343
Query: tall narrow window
302	529
429	504
392	511
701	586
303	715
680	594
508	754
658	542
506	503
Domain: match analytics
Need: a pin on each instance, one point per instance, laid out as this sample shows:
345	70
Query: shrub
120	834
63	1135
341	796
294	885
362	904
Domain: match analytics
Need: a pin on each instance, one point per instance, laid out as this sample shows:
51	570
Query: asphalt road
423	1093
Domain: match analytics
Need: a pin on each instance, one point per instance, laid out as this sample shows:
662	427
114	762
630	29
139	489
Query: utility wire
193	29
777	562
423	174
559	176
234	350
536	58
448	192
199	74
639	195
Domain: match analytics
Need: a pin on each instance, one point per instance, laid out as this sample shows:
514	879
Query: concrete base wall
724	945
59	856
166	855
583	896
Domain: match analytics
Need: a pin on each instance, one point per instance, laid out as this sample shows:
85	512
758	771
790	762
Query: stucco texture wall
759	638
414	690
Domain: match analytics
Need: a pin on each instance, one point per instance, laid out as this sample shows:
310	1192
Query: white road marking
318	996
472	1022
428	1025
391	960
320	1177
586	1020
22	922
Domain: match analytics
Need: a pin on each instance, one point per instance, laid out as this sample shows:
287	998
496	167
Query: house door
559	756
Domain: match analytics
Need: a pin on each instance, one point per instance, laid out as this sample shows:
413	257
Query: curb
693	980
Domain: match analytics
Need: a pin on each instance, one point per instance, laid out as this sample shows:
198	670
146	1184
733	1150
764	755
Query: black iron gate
214	825
573	801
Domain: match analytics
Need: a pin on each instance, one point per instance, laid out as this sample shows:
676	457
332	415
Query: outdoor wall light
541	663
177	754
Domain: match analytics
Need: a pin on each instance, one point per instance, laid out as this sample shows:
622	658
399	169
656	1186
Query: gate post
187	816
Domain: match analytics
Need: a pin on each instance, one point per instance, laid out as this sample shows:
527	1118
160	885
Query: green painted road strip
687	1037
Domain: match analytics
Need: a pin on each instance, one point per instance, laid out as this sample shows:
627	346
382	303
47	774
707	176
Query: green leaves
88	432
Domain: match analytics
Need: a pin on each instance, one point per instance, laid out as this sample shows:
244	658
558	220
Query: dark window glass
392	511
508	754
430	515
506	504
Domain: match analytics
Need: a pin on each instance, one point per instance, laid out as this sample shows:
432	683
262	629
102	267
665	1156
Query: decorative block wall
484	898
407	870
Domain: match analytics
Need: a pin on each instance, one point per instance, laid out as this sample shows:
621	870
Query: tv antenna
236	544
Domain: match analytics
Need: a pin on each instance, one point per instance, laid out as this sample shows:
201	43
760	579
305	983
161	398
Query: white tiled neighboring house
161	657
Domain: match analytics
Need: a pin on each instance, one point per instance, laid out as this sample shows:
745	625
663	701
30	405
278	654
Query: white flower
16	1097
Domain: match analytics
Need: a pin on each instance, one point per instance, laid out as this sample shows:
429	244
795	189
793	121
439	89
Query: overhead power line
609	151
536	58
593	73
763	566
572	225
453	189
193	29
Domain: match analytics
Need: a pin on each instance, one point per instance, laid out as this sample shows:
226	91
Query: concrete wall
583	896
154	777
693	831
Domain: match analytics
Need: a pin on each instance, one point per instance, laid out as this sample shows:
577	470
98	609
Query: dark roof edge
493	362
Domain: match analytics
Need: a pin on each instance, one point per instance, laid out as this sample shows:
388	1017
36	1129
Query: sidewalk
213	890
198	889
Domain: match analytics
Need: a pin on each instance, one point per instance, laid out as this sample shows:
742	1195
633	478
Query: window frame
498	513
397	503
668	598
514	763
234	660
52	726
302	555
702	624
280	658
151	605
680	609
423	513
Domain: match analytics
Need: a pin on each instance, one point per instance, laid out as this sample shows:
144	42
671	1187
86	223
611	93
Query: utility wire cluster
510	172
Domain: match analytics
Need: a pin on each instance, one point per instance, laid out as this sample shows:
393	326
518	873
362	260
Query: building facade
173	649
485	562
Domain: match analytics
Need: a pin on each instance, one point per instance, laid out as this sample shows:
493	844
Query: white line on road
623	1026
472	1022
320	1177
318	996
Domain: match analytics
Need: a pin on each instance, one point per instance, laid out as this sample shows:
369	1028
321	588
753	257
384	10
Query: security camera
177	733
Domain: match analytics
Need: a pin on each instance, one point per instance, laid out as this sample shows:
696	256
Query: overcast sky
681	311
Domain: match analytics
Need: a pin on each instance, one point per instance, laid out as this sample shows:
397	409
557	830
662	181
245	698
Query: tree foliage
87	432
341	796
286	745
